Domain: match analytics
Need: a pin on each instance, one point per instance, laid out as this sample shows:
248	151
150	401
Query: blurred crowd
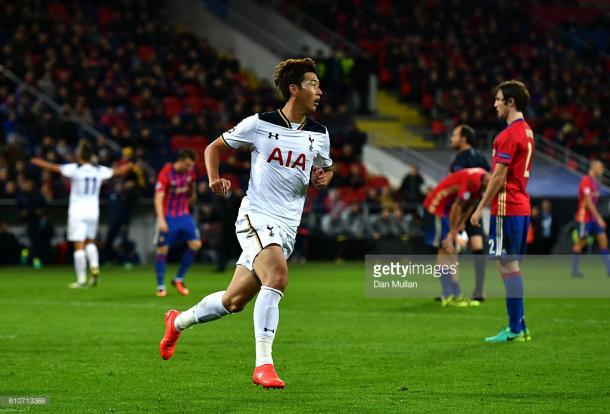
447	55
150	89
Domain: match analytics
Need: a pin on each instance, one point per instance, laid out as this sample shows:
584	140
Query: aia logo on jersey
289	160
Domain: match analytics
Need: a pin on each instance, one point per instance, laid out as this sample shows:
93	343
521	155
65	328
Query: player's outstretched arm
495	183
122	170
45	165
211	156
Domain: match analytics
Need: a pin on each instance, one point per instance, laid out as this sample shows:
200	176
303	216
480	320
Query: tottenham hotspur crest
311	141
270	228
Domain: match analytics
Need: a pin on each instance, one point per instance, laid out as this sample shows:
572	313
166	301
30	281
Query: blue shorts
586	229
508	237
435	229
182	228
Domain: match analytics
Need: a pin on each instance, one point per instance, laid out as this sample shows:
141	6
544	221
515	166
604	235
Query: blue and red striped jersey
177	187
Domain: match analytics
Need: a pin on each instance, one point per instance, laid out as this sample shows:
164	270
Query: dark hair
516	90
467	132
85	150
185	153
292	71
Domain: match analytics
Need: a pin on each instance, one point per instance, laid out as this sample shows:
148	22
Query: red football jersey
588	187
465	184
177	188
514	146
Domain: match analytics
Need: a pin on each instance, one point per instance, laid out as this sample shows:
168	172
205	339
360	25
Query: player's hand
163	225
220	186
450	242
319	178
602	222
475	219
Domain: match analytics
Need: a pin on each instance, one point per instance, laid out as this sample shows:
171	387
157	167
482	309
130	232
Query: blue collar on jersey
516	120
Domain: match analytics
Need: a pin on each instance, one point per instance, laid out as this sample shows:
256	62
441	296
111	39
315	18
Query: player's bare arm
321	177
45	165
495	183
122	170
590	206
220	186
460	211
161	222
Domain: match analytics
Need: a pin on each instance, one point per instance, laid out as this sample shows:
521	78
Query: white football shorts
256	231
82	228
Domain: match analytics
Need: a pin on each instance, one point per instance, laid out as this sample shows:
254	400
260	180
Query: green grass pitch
96	350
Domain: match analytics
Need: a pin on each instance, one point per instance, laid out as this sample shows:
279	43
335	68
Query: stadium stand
445	56
144	85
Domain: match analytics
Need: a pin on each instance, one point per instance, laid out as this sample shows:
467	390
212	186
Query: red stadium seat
438	128
146	53
192	91
194	102
195	142
209	103
377	181
60	11
105	15
171	106
347	195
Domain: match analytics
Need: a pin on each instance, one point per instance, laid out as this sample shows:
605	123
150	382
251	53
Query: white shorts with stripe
256	231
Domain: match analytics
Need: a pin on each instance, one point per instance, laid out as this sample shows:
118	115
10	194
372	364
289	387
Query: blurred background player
589	221
174	193
84	209
31	205
463	140
446	209
510	203
288	150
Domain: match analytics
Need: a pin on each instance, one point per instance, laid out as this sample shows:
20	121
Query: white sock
209	309
92	256
266	319
80	266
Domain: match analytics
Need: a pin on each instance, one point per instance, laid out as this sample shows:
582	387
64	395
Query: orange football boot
161	293
179	285
168	343
266	376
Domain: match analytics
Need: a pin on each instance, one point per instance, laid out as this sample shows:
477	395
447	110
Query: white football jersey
283	155
86	181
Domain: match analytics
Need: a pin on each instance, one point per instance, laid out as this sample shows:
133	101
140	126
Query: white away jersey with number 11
86	181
